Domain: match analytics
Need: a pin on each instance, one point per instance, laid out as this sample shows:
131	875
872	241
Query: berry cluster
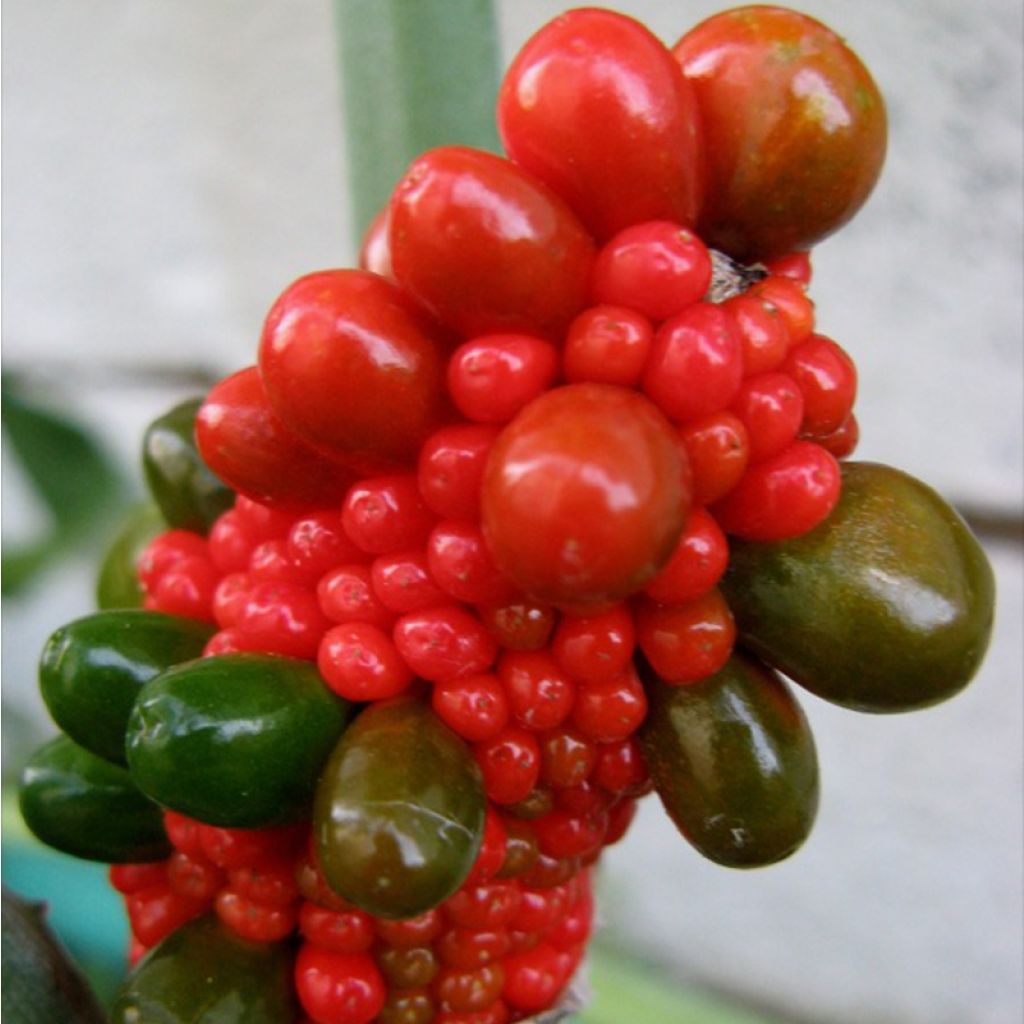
548	489
506	486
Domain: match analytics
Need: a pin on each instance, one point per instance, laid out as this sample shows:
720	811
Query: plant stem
415	74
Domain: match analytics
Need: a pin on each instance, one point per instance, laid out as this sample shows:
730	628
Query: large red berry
353	368
584	495
594	107
487	248
250	447
338	988
795	129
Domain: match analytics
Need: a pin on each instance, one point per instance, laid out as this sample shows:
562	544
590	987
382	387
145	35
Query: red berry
771	408
420	930
346	931
271	882
485	907
233	848
521	625
338	988
540	694
534	979
842	442
247	444
485	247
354	368
257	922
361	663
166	550
695	365
783	496
466	949
476	708
607	345
763	334
567	757
657	268
346	594
787	296
271	561
186	588
445	642
621	768
403	583
584	495
128	878
193	878
718	450
686	642
491	378
282	618
562	834
465	991
595	647
696	565
412	967
317	543
157	910
451	469
232	542
795	265
462	567
386	514
610	709
593	107
510	763
827	379
184	833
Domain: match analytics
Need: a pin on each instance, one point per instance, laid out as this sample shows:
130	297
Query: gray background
169	168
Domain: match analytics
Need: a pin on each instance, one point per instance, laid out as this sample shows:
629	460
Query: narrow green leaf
70	473
415	74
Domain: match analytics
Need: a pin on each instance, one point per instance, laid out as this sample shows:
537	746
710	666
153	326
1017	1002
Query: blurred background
169	168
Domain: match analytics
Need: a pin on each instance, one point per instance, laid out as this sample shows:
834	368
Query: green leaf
70	473
415	74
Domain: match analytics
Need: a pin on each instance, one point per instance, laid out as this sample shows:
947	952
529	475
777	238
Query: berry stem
729	277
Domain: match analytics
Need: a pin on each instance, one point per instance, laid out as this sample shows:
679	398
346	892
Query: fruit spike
486	493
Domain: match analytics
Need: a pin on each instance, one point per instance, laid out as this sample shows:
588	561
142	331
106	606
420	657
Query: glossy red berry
444	642
593	107
771	407
344	931
486	247
762	330
352	366
718	450
510	763
584	495
250	447
491	378
696	565
461	565
360	662
595	647
657	268
347	594
338	988
386	513
402	582
695	365
451	469
783	496
475	708
540	694
687	642
610	710
607	345
827	379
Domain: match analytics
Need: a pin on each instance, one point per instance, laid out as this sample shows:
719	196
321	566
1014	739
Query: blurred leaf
415	74
41	983
69	472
